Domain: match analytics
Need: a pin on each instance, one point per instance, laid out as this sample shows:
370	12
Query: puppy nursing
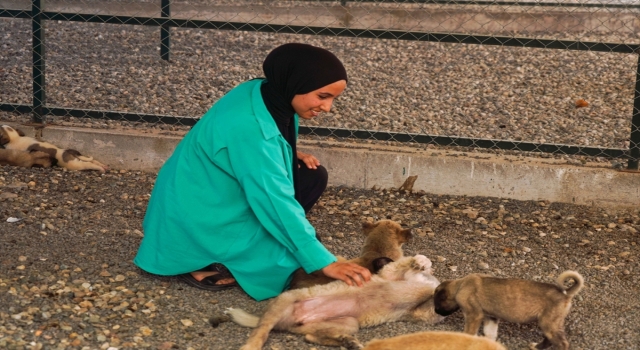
384	238
15	139
482	297
331	314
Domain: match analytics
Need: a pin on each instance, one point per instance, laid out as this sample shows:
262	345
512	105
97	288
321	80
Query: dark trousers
313	182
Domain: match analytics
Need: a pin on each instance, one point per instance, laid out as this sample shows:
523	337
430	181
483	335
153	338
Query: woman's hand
350	273
310	161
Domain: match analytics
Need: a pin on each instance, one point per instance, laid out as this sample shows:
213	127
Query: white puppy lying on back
331	314
71	159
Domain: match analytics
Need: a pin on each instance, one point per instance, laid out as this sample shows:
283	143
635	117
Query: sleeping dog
15	139
23	158
331	314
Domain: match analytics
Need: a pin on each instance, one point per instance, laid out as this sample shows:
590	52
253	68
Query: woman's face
309	105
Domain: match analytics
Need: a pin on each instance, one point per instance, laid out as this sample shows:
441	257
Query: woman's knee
322	177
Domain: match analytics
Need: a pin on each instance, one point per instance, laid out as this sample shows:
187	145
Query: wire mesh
558	78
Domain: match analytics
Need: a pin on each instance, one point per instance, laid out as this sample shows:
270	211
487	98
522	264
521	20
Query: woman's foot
213	277
200	275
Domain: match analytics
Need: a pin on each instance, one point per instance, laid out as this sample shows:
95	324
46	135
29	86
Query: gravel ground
67	280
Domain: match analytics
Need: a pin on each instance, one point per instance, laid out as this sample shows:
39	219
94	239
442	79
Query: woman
228	207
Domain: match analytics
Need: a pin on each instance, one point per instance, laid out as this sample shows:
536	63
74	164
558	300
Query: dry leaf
581	103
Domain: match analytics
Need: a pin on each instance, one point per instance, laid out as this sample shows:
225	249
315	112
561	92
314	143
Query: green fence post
165	30
634	140
37	42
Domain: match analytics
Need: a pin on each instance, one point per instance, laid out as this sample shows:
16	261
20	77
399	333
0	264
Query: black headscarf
296	69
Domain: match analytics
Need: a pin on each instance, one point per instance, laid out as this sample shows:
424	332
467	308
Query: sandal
209	283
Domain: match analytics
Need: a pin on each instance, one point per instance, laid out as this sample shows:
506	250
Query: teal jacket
226	195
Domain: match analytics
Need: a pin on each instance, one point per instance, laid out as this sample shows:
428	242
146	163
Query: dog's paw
350	342
104	167
420	263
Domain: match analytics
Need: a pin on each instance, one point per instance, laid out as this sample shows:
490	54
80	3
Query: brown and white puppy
15	157
483	297
330	314
384	238
435	340
71	159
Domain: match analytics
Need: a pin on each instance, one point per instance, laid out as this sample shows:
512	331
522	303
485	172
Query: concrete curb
366	166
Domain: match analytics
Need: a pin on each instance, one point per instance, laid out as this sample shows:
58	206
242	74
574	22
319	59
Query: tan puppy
514	300
71	159
384	238
434	341
331	314
23	158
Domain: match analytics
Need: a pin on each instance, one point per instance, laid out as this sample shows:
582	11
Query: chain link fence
558	78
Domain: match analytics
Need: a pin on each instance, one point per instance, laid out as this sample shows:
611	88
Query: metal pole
165	31
37	31
634	140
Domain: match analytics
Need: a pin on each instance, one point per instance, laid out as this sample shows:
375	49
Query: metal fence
558	78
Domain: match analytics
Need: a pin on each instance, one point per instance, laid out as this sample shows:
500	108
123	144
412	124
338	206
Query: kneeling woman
228	207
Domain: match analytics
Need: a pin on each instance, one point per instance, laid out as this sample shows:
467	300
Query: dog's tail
578	282
242	317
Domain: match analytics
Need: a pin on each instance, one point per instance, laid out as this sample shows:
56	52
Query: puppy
23	158
331	314
434	341
384	238
514	300
71	159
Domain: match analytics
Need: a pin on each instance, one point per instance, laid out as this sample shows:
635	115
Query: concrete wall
362	165
482	20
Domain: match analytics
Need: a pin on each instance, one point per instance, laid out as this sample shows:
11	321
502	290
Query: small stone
22	258
167	345
120	278
470	213
146	331
187	323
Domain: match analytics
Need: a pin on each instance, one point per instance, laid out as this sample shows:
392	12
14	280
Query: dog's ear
379	263
404	235
367	227
20	132
4	137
